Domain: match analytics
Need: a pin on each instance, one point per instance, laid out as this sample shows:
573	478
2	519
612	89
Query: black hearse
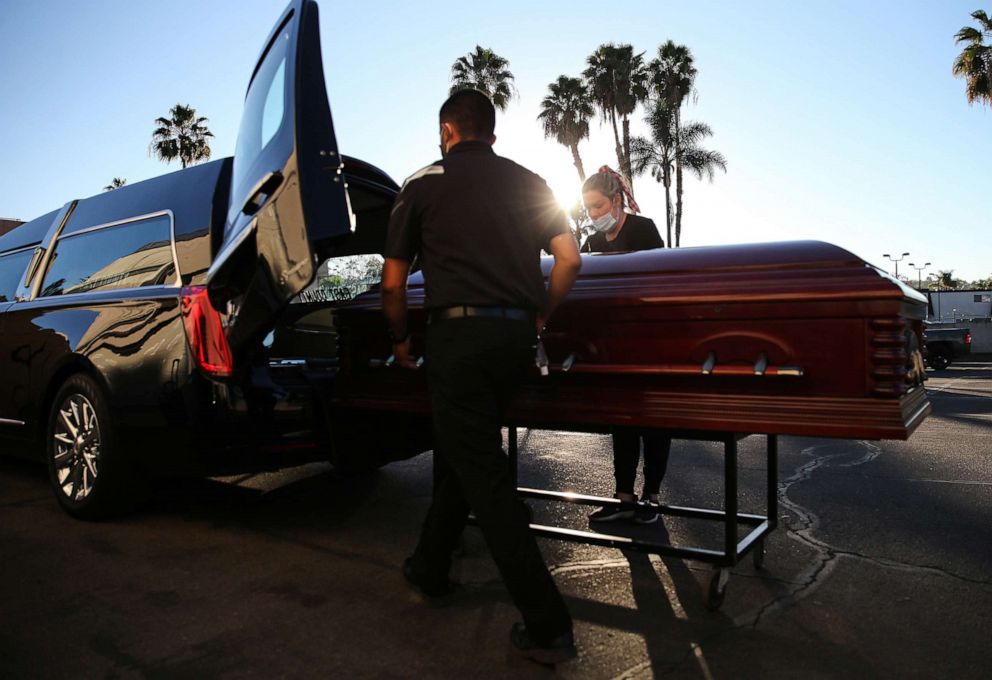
114	361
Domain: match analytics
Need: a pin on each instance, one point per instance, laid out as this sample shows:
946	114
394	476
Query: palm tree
618	82
183	135
670	148
974	64
672	76
115	183
566	112
486	71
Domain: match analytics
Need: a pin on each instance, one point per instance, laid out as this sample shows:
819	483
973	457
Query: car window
128	255
264	111
12	268
343	278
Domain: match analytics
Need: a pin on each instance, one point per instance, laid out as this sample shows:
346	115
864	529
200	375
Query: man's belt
462	311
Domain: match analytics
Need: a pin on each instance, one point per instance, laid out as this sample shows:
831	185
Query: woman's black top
638	233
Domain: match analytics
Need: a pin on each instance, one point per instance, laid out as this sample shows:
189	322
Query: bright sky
840	120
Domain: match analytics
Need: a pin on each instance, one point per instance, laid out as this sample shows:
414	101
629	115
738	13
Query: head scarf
631	203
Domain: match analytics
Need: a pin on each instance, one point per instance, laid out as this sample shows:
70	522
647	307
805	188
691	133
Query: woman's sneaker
646	512
612	513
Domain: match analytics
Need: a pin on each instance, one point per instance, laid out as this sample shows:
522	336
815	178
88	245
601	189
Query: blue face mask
605	222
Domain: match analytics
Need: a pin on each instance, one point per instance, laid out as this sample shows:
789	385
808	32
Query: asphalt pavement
881	567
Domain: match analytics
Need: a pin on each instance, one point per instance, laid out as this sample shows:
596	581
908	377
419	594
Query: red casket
799	338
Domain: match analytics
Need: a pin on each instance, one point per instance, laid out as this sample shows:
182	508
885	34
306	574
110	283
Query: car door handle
263	188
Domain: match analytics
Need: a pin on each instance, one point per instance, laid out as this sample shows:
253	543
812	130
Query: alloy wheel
76	447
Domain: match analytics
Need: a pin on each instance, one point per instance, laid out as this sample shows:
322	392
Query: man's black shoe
562	648
423	585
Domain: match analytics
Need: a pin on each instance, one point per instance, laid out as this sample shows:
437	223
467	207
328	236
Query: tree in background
946	280
182	135
115	183
974	64
566	112
672	77
618	81
674	145
486	71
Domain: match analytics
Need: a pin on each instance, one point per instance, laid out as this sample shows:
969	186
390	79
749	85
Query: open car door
288	203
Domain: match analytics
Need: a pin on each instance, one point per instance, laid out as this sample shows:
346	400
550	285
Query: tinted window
264	110
126	256
344	278
11	270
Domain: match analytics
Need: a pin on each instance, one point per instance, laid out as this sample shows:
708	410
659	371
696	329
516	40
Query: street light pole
897	260
919	274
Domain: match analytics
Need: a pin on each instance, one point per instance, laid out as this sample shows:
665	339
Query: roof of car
27	234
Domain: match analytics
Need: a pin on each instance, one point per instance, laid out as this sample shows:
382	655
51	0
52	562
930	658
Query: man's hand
563	273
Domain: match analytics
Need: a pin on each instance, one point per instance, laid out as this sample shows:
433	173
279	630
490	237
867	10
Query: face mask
605	222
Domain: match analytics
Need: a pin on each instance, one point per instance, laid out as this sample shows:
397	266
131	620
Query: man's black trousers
626	453
474	366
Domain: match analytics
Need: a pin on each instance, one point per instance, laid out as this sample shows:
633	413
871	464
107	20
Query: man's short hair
471	112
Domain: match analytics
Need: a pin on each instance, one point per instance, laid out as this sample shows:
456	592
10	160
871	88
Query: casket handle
390	361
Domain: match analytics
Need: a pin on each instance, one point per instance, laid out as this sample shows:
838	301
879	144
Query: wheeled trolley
734	548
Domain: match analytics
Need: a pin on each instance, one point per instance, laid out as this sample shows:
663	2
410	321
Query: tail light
967	338
205	333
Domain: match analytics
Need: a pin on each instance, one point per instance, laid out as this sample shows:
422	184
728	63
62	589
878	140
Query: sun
564	183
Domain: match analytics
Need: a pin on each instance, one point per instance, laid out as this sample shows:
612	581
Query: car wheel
88	474
938	361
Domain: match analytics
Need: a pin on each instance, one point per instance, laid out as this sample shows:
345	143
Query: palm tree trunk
625	163
616	138
578	162
667	173
678	204
678	177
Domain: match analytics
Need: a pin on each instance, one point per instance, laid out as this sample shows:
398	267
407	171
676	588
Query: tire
938	360
89	474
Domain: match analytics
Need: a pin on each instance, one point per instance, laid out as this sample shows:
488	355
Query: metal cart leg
511	436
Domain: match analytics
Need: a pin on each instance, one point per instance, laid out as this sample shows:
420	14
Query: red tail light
205	333
967	338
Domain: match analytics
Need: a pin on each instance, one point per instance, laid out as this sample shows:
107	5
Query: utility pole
919	274
897	260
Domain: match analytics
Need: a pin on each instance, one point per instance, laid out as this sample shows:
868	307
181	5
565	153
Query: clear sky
840	120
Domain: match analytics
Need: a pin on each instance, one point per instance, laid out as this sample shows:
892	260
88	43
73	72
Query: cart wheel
717	590
758	555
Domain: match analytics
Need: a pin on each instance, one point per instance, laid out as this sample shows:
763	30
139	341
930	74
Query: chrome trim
795	371
9	421
27	291
284	363
761	365
709	364
43	268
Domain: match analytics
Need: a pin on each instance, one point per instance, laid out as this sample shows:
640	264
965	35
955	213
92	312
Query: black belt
462	311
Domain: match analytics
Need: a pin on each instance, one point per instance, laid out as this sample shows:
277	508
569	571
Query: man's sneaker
646	512
423	585
612	513
562	648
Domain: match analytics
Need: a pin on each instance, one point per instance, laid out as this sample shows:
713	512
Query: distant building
8	224
954	305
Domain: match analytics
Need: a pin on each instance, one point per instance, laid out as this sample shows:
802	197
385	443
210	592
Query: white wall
952	305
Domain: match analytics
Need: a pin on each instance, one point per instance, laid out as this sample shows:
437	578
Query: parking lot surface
881	567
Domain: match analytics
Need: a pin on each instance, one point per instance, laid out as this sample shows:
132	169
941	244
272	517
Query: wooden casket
798	338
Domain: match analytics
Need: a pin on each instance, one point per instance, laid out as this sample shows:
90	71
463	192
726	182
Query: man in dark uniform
477	223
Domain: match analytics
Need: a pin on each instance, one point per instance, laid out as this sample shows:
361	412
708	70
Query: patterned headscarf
631	203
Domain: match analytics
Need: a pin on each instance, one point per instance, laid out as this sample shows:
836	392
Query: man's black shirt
477	222
637	233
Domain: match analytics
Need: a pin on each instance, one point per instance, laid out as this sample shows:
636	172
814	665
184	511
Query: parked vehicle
115	363
945	345
170	326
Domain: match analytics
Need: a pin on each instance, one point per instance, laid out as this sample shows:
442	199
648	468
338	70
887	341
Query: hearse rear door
288	202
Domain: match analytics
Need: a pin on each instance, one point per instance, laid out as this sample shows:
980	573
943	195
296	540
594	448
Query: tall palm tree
974	64
657	155
672	76
486	71
183	135
618	82
669	148
566	112
115	183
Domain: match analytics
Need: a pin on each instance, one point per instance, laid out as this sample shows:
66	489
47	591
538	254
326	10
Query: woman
605	196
